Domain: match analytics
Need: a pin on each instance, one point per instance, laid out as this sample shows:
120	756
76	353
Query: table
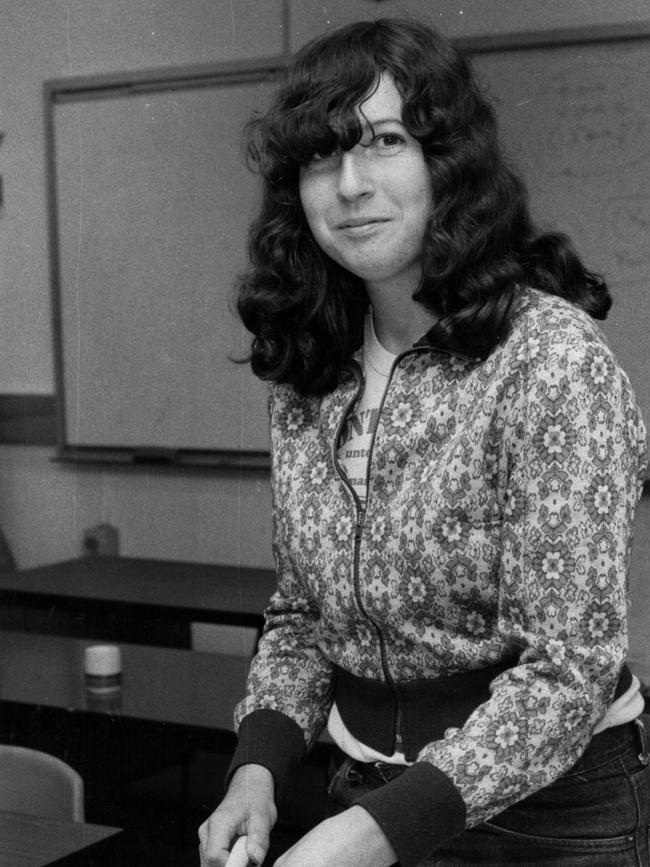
33	841
132	599
172	703
159	684
173	706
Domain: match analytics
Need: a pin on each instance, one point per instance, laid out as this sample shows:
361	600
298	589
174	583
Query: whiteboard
576	120
152	206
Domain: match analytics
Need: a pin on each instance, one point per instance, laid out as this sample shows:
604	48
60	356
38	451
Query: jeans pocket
591	846
597	818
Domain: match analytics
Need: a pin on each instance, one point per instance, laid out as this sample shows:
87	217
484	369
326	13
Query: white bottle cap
102	660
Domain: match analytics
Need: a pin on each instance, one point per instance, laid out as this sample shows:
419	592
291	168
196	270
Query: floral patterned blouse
498	521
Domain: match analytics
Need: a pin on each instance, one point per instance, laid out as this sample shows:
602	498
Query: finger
214	858
203	842
215	837
257	843
203	833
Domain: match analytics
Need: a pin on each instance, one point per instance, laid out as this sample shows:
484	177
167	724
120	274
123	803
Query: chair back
39	784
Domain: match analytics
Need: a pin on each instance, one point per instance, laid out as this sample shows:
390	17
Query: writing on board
594	129
576	119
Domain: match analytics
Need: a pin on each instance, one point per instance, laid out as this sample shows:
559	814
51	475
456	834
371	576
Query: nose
355	179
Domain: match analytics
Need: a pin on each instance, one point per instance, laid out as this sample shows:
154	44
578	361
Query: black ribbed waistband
422	710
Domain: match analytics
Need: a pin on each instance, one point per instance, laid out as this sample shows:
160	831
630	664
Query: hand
248	809
351	839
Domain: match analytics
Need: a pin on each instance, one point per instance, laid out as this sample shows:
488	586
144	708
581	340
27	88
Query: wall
45	506
471	18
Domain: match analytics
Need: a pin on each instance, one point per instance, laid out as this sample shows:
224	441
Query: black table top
189	588
159	684
34	841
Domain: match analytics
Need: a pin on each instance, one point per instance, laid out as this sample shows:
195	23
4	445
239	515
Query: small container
101	541
103	668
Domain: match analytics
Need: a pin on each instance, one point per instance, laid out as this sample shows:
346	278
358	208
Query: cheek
309	200
420	215
424	195
314	215
417	186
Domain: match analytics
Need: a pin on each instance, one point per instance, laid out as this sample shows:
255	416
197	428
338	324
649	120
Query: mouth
361	222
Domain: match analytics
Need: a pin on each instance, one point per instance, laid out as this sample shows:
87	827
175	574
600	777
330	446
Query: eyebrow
381	120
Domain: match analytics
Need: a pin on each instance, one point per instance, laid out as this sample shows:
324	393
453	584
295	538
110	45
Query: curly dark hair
306	311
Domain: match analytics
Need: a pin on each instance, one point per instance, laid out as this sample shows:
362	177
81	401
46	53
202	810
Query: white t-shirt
356	437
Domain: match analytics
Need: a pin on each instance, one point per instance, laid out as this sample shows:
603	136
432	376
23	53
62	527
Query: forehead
383	103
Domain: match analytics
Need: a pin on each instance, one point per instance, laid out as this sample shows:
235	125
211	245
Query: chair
39	784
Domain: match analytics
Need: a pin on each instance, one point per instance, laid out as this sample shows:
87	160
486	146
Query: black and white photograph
324	411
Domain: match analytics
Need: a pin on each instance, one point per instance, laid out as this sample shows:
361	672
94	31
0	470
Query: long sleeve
289	685
574	448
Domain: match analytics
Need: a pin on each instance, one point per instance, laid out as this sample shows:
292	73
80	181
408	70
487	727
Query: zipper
359	527
357	370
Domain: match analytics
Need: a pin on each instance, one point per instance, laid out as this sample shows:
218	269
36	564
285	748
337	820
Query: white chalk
238	856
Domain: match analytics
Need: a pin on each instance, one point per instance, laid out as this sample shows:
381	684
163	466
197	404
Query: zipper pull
399	743
361	514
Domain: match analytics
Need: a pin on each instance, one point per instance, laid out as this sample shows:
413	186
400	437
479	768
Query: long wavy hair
304	310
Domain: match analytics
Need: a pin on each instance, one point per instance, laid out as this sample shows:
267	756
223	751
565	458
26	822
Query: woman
456	462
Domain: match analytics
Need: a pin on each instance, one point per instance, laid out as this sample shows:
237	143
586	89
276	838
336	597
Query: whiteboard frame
98	87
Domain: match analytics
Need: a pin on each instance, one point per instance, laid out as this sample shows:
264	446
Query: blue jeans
596	815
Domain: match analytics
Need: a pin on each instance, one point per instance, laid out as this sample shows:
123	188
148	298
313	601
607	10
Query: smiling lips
361	222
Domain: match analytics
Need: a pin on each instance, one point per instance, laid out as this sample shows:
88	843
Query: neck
399	321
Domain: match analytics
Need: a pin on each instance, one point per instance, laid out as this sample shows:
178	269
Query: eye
388	143
391	139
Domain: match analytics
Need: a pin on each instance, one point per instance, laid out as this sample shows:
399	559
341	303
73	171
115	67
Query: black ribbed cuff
272	739
418	812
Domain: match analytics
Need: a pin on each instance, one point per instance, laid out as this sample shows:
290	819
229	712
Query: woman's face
368	207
